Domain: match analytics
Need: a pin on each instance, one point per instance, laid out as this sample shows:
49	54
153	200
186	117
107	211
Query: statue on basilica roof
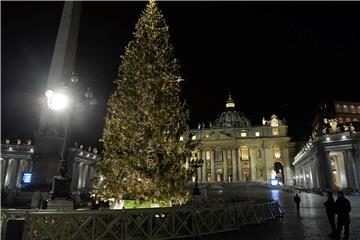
273	122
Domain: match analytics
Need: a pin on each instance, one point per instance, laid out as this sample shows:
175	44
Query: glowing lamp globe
56	101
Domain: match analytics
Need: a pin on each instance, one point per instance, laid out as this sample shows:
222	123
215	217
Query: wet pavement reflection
309	224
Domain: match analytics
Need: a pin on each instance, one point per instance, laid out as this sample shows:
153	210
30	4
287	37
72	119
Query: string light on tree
145	120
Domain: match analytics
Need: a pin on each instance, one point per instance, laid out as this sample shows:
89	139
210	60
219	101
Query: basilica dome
231	117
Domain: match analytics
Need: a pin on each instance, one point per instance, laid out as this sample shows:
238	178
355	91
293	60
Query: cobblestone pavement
310	224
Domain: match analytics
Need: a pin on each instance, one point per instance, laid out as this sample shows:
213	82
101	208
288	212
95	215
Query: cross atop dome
230	103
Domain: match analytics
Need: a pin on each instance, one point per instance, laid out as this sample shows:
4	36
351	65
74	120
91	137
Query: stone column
356	158
314	175
287	170
20	170
88	176
351	175
224	153
212	151
263	158
15	175
269	162
199	171
239	164
4	166
234	165
329	182
252	164
81	174
75	177
203	157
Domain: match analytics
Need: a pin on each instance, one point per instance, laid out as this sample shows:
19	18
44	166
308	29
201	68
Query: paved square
310	224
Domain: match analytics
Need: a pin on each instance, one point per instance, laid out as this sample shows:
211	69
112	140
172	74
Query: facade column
213	164
234	167
9	173
80	178
239	164
356	158
21	168
263	158
269	162
14	177
203	157
88	176
314	176
252	164
199	170
4	167
75	176
287	174
350	170
226	178
329	182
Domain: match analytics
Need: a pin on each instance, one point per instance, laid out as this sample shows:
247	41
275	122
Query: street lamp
66	99
196	163
57	101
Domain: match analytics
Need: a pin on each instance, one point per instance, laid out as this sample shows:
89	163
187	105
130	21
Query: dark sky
274	57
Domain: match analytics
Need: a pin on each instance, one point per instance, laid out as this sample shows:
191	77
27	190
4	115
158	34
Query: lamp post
66	100
196	163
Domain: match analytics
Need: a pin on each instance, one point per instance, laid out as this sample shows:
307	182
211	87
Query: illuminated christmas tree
143	157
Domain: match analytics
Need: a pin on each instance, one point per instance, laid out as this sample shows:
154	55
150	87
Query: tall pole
52	131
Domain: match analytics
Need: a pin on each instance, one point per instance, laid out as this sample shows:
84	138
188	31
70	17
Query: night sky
274	57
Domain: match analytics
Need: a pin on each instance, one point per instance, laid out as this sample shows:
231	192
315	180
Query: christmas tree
143	156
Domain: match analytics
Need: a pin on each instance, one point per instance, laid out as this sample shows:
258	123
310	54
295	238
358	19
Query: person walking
342	209
297	201
330	211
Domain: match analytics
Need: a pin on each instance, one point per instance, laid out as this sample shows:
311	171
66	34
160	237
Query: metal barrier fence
154	223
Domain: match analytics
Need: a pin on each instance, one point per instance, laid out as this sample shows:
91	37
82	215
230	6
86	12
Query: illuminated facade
233	150
18	158
331	157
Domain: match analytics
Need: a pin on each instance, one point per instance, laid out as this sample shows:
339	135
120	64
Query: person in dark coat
330	211
297	201
342	209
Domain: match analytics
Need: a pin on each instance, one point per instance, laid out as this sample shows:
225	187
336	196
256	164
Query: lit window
358	109
181	138
341	120
257	134
355	120
348	120
277	152
338	108
193	137
207	155
275	131
243	134
345	109
352	109
244	153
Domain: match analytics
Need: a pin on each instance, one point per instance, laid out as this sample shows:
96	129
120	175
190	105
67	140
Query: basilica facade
234	150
